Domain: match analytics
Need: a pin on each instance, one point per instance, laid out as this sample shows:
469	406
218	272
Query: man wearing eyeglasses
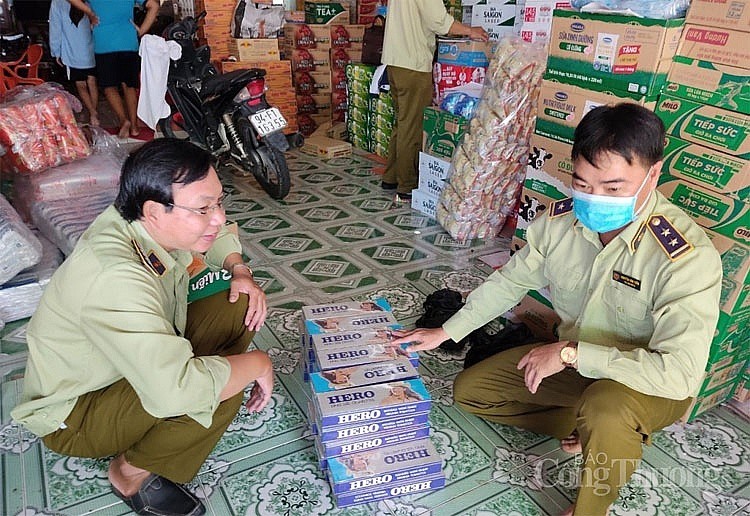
119	364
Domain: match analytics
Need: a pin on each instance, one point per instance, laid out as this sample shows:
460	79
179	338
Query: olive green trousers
411	92
112	420
612	420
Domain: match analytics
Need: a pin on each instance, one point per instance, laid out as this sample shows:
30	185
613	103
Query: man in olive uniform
119	364
636	285
408	49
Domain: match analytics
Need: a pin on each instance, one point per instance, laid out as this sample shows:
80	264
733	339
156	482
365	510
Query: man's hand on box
420	339
256	303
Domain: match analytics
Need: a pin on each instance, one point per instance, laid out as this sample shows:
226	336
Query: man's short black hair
628	130
150	171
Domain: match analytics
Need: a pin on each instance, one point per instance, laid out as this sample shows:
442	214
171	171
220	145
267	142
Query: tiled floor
337	236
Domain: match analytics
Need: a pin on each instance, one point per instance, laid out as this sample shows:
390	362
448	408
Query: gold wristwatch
569	354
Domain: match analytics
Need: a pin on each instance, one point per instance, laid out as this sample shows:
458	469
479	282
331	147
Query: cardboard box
719	172
538	11
434	168
536	312
735	257
723	215
424	202
715	84
255	49
346	35
713	127
729	374
702	403
540	189
724	46
302	35
449	76
565	105
304	59
534	32
550	155
727	14
497	18
326	148
322	12
730	328
463	52
432	174
607	52
442	132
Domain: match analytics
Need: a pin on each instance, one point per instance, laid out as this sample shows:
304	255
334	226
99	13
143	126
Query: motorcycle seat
215	84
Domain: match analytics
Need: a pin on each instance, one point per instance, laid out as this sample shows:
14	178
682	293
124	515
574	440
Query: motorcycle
228	114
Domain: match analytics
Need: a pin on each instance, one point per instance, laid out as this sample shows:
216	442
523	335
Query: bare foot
125	477
569	511
572	444
94	120
135	131
124	131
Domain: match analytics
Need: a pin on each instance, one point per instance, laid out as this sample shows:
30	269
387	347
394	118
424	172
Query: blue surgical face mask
602	213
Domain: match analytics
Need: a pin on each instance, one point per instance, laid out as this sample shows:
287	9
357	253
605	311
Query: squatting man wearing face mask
119	364
636	285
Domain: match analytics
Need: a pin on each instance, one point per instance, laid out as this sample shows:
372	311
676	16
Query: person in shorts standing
71	45
116	51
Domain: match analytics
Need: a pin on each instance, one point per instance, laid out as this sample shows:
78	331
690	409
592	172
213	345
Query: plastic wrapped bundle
63	221
39	130
96	173
488	167
20	296
663	9
19	248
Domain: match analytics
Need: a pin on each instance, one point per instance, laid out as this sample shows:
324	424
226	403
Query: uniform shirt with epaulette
117	308
643	308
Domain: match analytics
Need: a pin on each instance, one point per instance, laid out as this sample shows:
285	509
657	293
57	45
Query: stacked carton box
214	29
497	17
367	10
319	54
368	408
534	18
441	135
369	117
706	171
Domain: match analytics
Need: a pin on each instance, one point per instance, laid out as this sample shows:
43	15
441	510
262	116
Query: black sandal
160	496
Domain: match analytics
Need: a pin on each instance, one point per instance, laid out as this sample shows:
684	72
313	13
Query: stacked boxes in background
319	50
442	133
368	409
359	77
705	107
497	17
534	18
213	30
461	65
455	8
367	10
369	118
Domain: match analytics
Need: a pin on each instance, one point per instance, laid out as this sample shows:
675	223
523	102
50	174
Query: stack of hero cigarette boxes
368	409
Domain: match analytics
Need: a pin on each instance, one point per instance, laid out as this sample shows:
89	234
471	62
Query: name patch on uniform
626	280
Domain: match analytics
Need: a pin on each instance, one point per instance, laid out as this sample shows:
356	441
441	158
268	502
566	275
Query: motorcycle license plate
268	121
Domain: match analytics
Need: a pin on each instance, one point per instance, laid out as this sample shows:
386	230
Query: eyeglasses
205	210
